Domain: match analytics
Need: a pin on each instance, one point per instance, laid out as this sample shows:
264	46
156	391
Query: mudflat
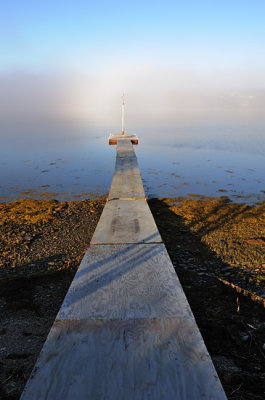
217	248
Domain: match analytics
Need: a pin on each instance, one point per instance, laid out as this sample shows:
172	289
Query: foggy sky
154	96
179	63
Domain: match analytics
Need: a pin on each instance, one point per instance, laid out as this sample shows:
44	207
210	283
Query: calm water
71	162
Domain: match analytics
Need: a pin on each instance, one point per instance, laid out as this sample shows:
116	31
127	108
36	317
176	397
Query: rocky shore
217	248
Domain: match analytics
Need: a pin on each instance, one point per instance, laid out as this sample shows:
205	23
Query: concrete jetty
125	329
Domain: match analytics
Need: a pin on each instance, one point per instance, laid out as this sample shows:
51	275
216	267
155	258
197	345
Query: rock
245	338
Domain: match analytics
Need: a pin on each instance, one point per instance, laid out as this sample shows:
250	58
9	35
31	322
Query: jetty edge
125	329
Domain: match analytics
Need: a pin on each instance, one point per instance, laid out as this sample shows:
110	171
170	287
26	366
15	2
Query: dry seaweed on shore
42	244
234	233
232	324
38	236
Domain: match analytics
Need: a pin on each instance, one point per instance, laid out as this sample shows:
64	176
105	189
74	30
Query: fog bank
155	96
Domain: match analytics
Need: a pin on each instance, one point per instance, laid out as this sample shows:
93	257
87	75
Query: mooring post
122	115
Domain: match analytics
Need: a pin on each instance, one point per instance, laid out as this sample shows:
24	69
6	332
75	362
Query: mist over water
69	161
196	135
194	78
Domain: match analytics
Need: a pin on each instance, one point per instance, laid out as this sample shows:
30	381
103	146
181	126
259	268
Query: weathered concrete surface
125	329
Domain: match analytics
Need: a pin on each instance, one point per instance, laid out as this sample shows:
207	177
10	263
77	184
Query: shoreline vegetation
217	248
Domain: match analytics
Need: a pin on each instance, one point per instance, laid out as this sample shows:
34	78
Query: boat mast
122	114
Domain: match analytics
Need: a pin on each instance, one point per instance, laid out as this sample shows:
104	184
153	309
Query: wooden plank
126	221
124	146
132	359
125	281
128	166
123	141
119	136
125	152
127	183
126	161
113	138
125	329
126	186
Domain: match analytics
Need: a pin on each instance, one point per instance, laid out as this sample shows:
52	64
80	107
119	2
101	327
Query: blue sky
75	58
59	34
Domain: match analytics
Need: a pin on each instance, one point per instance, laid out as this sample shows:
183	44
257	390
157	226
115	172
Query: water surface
68	161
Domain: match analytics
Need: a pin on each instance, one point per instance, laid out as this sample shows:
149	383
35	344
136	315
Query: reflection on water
70	163
206	172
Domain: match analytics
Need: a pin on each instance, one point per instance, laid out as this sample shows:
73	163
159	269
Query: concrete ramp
125	329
